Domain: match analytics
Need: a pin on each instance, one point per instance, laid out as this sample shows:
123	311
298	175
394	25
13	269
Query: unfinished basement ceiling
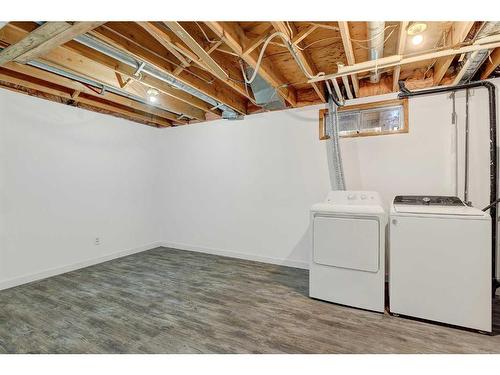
177	73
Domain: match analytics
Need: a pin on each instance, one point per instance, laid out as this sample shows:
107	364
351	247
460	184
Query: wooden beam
21	80
232	35
304	33
252	44
400	49
182	34
302	56
202	59
457	34
220	93
209	50
161	37
78	88
491	63
32	40
394	60
345	79
103	69
349	53
65	36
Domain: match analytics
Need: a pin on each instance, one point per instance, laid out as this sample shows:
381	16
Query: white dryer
348	250
440	261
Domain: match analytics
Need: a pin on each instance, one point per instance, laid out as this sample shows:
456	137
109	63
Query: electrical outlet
97	241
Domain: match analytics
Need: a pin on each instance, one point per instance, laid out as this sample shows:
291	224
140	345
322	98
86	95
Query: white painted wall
244	188
240	188
67	176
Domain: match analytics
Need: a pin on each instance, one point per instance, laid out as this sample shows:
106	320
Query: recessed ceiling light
152	95
416	28
417	39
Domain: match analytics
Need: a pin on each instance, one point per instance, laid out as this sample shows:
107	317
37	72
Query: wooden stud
304	33
349	52
32	40
302	56
104	69
7	76
182	34
57	40
491	63
222	94
458	33
322	125
399	50
77	88
251	45
232	35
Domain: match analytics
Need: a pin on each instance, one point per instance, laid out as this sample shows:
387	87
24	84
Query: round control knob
351	196
426	200
363	196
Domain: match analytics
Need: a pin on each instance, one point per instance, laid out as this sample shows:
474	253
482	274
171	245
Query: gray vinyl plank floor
173	301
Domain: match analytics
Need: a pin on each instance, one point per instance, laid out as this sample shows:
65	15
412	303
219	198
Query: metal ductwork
265	95
474	60
376	45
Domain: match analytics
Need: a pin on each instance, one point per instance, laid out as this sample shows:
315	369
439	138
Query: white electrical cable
290	47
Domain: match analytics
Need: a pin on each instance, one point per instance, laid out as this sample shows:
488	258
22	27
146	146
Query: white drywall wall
240	188
67	176
244	188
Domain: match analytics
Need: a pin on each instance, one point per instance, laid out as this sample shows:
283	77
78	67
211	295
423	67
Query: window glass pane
349	122
381	120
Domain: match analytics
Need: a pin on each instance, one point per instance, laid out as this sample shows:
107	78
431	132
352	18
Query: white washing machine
348	250
440	261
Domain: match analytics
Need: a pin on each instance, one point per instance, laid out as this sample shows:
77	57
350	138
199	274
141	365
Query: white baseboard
237	254
75	266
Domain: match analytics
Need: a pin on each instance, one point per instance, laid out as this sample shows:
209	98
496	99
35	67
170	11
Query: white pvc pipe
376	44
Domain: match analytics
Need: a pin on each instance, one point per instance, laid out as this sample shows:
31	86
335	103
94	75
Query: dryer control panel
346	197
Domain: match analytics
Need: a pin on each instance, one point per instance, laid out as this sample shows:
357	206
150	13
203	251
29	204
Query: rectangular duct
265	95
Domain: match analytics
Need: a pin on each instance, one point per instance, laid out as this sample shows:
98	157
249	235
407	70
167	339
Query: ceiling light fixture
416	28
152	95
417	39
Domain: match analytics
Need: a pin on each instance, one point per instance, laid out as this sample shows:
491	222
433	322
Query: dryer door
347	242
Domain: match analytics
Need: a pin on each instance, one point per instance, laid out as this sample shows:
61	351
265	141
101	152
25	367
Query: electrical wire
290	47
205	34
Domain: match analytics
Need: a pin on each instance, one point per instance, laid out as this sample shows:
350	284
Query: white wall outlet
97	241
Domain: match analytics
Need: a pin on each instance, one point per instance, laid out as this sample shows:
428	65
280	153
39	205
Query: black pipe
405	93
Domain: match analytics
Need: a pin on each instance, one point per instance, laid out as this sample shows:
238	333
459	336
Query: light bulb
417	39
152	95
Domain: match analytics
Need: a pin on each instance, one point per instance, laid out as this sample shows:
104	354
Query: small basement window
378	118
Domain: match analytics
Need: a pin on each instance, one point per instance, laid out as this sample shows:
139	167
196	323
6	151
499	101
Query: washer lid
428	200
438	210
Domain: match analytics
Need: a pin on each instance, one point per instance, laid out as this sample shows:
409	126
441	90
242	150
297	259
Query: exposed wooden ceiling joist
395	60
32	40
35	84
491	64
400	48
457	34
194	52
65	36
78	88
182	34
103	69
303	57
214	89
235	38
349	53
